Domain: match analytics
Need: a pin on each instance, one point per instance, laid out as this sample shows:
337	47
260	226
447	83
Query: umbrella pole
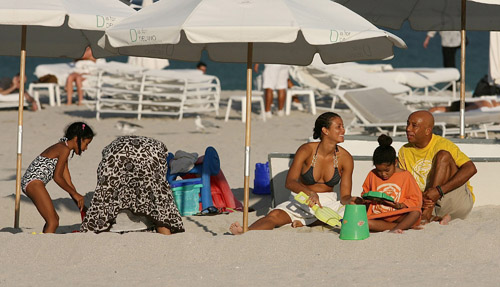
20	128
462	72
247	137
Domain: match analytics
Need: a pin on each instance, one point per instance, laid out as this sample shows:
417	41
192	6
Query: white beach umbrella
433	15
247	31
53	28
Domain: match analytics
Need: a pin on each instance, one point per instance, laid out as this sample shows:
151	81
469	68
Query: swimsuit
308	176
42	168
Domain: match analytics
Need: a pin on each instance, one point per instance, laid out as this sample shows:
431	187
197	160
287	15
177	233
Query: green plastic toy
324	214
377	195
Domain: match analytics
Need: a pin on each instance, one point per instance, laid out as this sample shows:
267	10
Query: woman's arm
346	165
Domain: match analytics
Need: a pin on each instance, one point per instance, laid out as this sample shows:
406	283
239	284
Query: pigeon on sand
126	127
202	125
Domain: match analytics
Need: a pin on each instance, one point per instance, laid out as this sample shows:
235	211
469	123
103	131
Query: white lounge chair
158	92
477	121
405	84
10	101
376	108
330	80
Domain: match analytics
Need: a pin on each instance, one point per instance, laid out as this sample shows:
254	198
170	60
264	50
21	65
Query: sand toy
325	214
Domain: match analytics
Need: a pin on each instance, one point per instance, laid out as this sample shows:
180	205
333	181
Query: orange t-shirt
401	186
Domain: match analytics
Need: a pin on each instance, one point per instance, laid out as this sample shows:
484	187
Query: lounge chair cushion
378	106
473	117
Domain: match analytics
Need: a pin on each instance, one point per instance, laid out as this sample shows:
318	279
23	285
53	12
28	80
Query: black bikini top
308	177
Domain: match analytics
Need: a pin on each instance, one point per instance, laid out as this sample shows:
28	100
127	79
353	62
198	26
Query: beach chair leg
36	96
262	109
243	110
334	101
58	94
229	103
288	102
312	102
52	101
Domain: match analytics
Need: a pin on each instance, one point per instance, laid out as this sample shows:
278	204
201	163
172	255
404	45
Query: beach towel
183	162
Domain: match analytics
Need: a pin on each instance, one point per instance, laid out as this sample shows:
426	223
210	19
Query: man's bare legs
443	168
275	218
269	99
78	80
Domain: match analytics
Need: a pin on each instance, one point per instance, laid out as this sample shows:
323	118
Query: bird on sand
127	127
202	125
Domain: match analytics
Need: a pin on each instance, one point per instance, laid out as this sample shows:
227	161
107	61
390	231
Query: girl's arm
63	179
346	164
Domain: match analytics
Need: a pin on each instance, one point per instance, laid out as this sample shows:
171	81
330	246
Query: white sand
464	253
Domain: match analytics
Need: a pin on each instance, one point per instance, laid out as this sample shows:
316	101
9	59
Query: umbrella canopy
433	15
283	32
428	15
53	28
247	31
58	28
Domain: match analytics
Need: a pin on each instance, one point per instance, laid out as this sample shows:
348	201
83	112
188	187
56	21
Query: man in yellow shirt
441	170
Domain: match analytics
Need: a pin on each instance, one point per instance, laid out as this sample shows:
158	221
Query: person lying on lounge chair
11	86
455	106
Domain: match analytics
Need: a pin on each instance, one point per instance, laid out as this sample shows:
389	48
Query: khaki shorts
457	203
305	214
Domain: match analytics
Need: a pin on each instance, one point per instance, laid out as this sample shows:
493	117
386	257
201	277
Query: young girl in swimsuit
399	184
317	167
53	163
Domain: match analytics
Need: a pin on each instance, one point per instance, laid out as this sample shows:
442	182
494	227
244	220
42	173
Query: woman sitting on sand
132	176
317	167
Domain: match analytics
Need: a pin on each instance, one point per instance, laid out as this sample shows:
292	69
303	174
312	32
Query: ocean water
233	76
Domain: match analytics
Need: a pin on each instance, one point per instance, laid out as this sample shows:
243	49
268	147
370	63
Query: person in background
473	105
83	66
402	213
11	86
202	67
441	169
274	77
450	43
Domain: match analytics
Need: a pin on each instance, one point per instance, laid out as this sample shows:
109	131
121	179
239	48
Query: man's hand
431	194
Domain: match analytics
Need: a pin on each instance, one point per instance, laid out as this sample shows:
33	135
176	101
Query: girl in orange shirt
399	184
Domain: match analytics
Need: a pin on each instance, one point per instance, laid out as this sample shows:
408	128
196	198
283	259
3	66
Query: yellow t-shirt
419	161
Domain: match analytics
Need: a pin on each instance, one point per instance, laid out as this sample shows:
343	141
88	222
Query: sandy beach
463	253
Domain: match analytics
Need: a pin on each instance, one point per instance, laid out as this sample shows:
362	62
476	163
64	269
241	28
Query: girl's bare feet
297	223
445	220
236	228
